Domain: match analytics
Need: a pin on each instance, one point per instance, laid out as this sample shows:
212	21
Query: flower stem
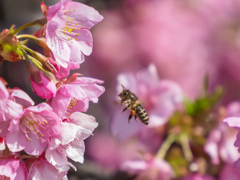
32	59
165	146
28	49
186	147
39	22
29	36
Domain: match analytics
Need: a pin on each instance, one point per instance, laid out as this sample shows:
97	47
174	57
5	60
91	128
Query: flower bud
8	47
42	86
42	82
48	63
51	65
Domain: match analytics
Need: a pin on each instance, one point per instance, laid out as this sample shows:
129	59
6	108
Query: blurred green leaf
204	104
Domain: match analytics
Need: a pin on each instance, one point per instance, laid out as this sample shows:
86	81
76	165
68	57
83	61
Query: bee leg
125	108
130	117
132	113
121	103
135	116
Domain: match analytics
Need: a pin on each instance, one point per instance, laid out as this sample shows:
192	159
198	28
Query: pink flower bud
48	63
51	65
42	86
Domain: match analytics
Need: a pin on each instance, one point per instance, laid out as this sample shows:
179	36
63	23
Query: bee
131	101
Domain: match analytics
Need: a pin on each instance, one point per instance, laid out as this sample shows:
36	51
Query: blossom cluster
37	140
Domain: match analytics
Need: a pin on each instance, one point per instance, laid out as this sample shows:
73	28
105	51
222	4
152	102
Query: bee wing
117	102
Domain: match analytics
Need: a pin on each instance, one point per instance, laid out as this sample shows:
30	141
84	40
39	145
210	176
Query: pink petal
85	41
13	110
35	146
83	120
64	137
59	104
41	169
22	97
13	169
45	89
16	141
3	96
86	15
39	108
59	48
76	53
232	122
56	157
76	151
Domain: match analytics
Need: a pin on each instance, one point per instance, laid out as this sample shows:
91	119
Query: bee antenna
123	87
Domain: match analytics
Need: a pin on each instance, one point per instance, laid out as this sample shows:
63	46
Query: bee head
124	94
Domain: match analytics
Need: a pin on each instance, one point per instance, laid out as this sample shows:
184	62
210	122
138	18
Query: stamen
72	103
72	27
33	123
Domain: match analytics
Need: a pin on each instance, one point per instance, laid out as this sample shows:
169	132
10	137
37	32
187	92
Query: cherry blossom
221	139
32	130
70	145
75	93
67	31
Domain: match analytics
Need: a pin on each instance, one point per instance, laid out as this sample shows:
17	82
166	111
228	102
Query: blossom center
71	30
72	103
33	123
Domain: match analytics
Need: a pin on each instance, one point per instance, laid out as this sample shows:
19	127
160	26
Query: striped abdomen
142	114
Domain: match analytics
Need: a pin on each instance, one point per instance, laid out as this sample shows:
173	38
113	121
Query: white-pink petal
232	122
56	157
83	120
16	141
76	151
41	169
22	97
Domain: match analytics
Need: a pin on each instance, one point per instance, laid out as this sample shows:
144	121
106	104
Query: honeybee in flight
132	103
